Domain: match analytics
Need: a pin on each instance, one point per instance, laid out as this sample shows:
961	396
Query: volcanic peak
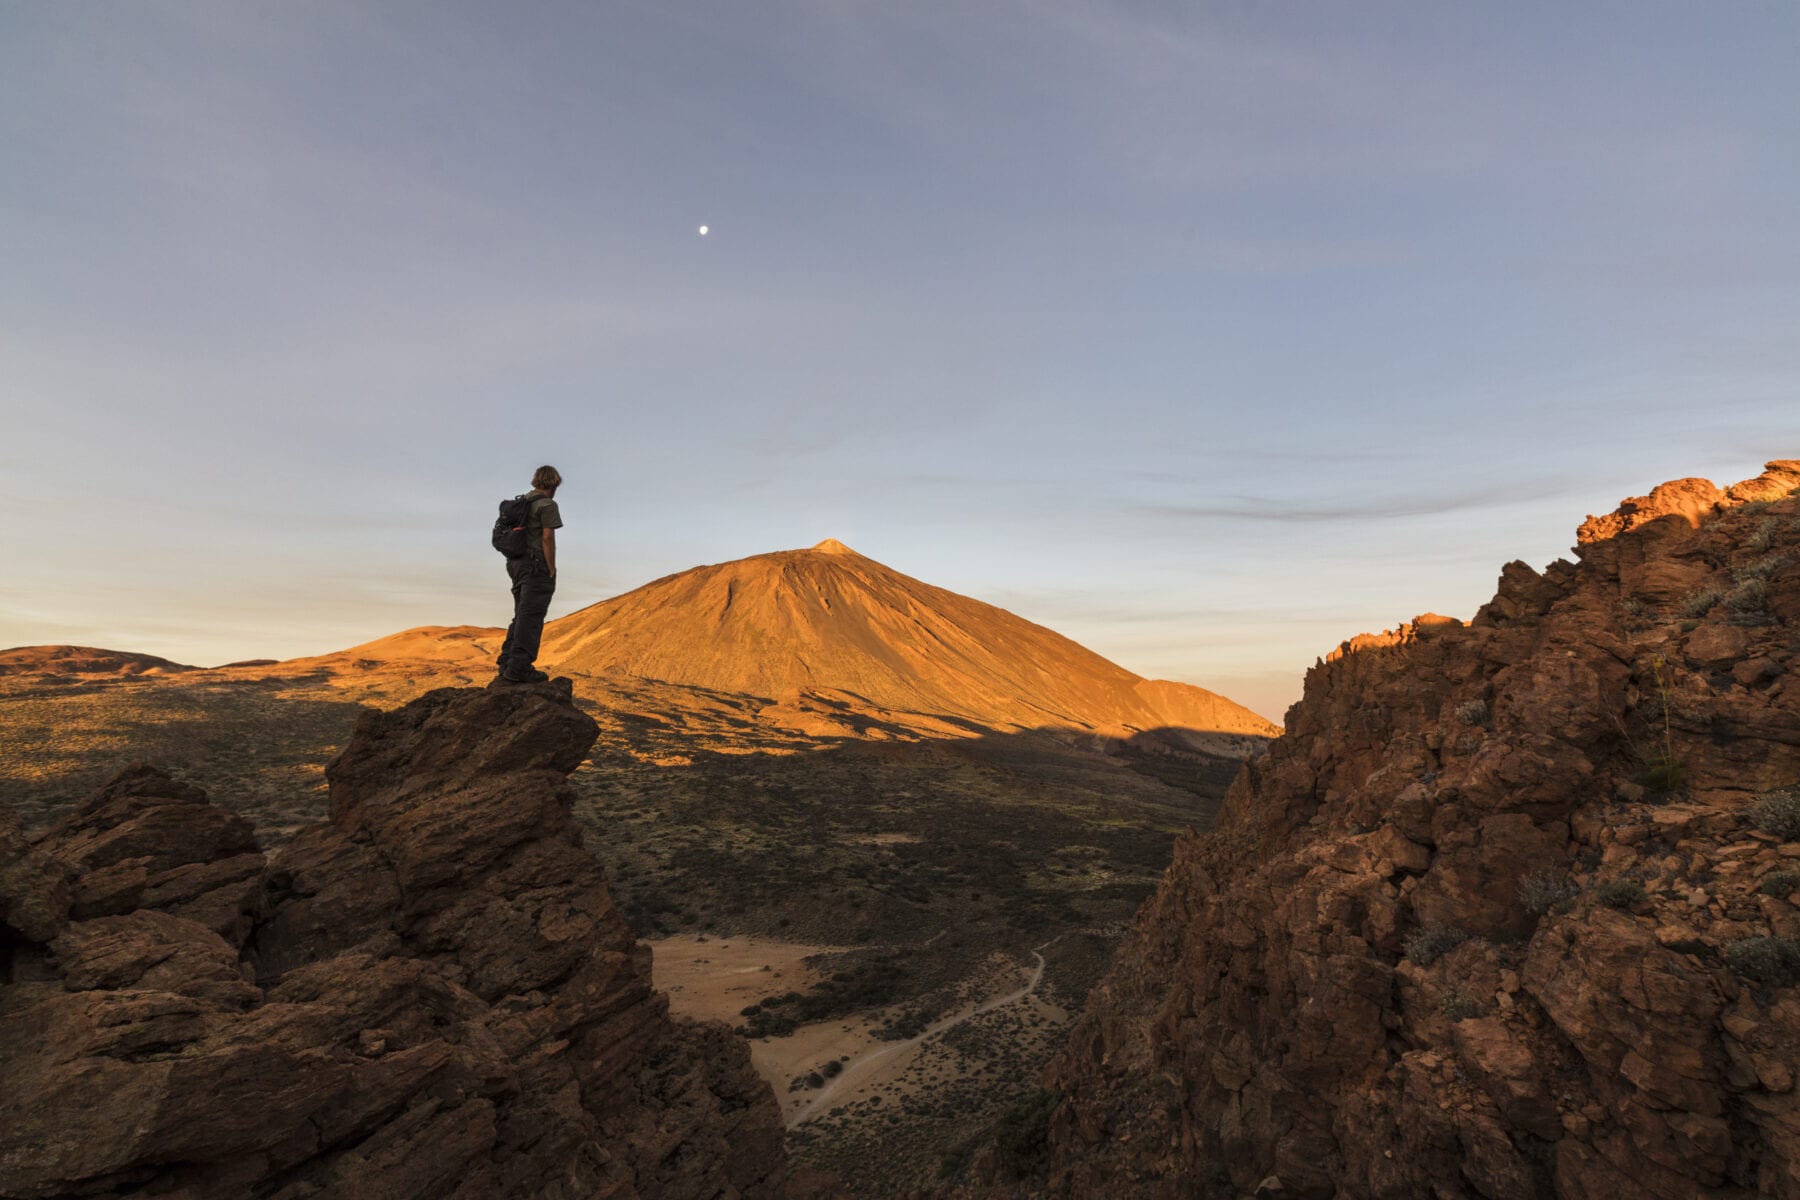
829	619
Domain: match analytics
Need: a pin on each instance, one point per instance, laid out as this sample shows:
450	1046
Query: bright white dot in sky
703	231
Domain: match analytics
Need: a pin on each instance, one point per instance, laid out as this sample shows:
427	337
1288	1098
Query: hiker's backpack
509	527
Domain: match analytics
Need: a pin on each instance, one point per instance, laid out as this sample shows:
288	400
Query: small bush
1472	712
1636	607
653	902
1771	961
1620	893
1763	536
1763	568
1781	883
1664	774
1778	813
1459	1006
1750	596
1022	1135
1431	942
1700	601
767	1024
908	1024
863	986
1543	891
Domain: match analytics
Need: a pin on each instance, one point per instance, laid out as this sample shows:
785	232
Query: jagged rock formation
430	995
1496	918
830	620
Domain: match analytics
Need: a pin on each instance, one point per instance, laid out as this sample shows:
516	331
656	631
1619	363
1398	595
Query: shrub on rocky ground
1620	893
1772	961
1700	601
1664	774
1546	891
1763	568
1431	942
1781	883
1749	596
1778	813
1472	712
1460	1006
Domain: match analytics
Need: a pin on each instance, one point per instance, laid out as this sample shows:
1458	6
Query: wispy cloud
1353	507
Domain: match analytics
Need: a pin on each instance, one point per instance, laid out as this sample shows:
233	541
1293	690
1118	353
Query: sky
1208	334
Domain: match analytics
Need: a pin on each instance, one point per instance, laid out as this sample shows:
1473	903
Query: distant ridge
830	619
84	660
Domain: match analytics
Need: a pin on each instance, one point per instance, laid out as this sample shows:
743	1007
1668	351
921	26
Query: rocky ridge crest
1509	911
429	995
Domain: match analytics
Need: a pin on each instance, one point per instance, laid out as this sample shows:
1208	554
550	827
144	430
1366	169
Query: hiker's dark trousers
532	587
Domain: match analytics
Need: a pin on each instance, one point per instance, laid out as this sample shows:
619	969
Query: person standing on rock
533	576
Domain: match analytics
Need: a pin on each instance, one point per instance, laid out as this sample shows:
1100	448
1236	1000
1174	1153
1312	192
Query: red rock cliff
1509	911
430	995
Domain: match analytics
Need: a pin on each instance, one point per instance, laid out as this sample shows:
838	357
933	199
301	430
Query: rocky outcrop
1509	911
431	995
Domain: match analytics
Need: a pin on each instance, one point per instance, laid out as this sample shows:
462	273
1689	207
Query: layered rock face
430	995
1504	914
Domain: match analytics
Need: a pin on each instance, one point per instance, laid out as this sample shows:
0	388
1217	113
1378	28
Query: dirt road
860	1068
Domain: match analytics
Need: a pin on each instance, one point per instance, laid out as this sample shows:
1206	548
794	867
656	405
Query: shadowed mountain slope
830	619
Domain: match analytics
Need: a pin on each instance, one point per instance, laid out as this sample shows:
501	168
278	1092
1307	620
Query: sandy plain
715	979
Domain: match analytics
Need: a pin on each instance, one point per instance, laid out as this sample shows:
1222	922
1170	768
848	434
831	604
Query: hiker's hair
546	477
